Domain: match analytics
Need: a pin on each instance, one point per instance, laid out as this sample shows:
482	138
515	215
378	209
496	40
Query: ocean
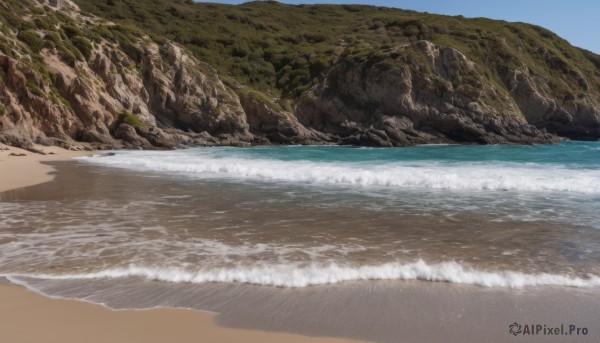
183	223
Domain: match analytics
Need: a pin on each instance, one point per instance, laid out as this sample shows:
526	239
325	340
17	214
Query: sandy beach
28	317
22	168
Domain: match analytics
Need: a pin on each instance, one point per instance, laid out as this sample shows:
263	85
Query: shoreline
26	170
27	316
134	309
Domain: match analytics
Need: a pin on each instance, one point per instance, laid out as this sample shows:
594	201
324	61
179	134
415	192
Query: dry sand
23	171
26	317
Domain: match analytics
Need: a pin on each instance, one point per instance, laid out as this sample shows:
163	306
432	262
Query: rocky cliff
68	77
147	96
415	94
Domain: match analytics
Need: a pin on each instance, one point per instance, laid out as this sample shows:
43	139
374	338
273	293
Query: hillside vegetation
285	49
167	73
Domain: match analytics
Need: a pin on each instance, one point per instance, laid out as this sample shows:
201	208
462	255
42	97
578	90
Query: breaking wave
466	176
294	276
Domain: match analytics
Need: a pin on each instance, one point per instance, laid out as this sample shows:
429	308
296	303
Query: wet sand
377	311
28	317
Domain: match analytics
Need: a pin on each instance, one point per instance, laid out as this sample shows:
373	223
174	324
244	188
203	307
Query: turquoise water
572	154
558	183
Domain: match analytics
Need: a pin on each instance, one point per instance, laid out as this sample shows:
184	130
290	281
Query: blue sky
575	20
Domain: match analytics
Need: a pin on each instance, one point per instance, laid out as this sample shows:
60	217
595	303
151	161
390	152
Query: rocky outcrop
27	113
415	94
164	89
567	115
276	125
188	95
128	134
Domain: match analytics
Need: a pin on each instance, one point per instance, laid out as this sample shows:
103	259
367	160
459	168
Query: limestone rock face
188	95
115	95
27	114
277	125
128	134
164	89
569	116
414	94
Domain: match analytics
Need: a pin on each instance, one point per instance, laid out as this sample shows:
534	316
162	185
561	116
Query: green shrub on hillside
43	23
71	31
33	88
5	48
53	37
32	39
282	50
133	120
67	55
83	45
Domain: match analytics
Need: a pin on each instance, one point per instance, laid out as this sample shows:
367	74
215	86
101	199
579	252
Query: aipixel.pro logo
517	329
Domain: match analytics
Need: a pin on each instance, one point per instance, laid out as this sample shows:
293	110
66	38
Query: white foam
293	276
467	176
